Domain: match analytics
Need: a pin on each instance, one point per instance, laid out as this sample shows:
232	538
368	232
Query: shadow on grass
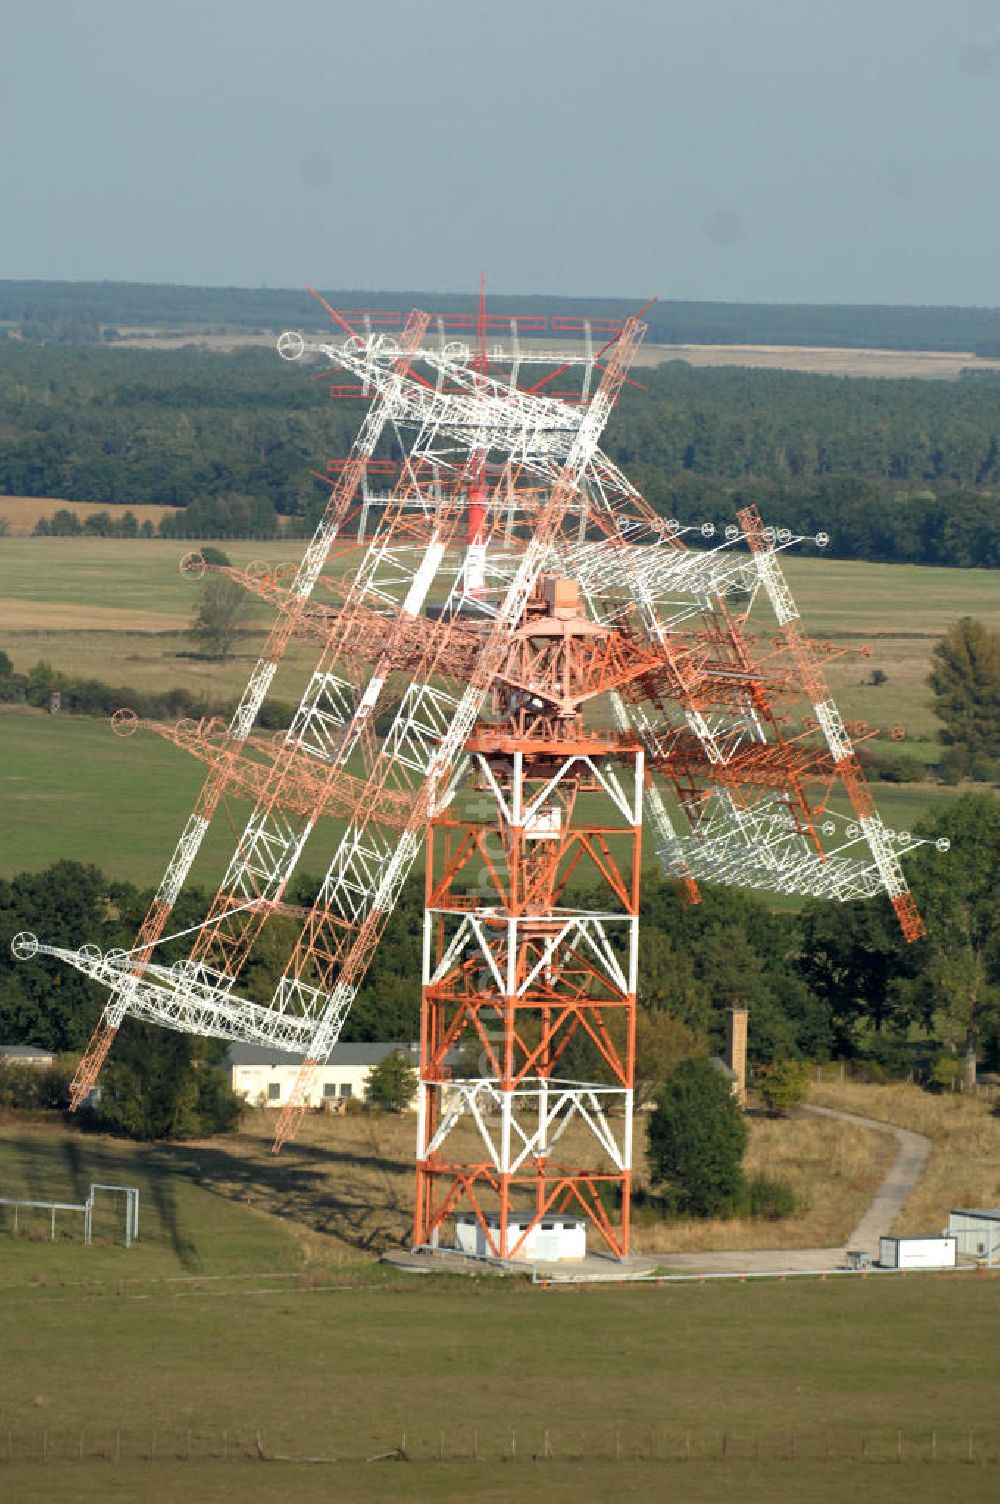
50	1167
359	1194
354	1196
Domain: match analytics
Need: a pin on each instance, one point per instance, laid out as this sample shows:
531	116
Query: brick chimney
736	1049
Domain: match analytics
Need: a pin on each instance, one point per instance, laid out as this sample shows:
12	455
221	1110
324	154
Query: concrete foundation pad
898	1185
601	1268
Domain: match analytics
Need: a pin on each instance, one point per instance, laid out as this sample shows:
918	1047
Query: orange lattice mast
531	925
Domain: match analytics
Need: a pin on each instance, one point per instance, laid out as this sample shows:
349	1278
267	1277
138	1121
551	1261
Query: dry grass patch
964	1167
824	360
22	512
346	1183
834	1169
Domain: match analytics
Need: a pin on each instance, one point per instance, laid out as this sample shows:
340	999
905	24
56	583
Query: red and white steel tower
550	664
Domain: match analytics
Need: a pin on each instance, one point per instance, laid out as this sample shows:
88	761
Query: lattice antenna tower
523	627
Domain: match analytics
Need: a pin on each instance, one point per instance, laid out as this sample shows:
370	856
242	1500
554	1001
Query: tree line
82	696
894	471
829	981
87	309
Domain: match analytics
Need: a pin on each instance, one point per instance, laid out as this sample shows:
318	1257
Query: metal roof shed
977	1232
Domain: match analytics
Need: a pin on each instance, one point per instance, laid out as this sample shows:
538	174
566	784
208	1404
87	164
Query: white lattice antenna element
417	618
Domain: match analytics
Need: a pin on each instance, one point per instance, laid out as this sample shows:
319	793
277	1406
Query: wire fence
880	1447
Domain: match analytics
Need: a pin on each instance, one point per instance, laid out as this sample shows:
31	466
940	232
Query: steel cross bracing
718	720
511	967
743	792
124	987
334	724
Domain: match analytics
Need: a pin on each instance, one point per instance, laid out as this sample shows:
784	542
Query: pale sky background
771	150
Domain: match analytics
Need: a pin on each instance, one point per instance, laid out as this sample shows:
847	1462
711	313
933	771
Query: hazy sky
779	150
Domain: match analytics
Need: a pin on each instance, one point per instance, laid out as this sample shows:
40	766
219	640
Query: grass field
344	1190
116	609
136	575
251	1306
225	1321
72	790
899	610
344	1372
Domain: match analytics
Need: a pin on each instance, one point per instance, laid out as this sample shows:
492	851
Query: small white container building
977	1232
557	1236
917	1253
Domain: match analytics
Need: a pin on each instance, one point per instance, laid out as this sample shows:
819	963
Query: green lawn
177	1352
71	790
185	1230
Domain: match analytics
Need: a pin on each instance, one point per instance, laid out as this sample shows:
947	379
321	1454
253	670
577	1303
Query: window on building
329	1088
345	1089
274	1091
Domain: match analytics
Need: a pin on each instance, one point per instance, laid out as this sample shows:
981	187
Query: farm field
20	513
830	360
151	1371
116	609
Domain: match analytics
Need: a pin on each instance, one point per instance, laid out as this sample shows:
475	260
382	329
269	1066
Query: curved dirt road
904	1175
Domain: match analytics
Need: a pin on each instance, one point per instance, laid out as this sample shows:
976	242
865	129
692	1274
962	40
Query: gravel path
902	1179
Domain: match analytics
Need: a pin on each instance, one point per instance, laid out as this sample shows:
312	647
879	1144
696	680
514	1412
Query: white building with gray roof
265	1077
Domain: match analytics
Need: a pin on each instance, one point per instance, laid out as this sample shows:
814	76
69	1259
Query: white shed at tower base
557	1236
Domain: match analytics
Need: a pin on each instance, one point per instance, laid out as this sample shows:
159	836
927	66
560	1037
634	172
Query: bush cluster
28	1088
768	1198
886	765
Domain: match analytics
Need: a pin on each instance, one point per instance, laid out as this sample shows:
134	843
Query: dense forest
82	310
893	470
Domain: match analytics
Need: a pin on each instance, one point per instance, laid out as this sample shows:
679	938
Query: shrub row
80	696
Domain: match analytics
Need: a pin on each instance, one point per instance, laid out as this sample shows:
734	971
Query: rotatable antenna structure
519	666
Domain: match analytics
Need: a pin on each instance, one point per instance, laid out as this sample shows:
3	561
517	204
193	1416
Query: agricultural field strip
830	359
83	574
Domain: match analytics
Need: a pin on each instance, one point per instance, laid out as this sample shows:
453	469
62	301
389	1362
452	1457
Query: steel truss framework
522	962
696	652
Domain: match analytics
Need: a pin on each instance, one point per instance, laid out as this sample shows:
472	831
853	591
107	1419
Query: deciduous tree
392	1083
223	609
697	1139
959	981
965	678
